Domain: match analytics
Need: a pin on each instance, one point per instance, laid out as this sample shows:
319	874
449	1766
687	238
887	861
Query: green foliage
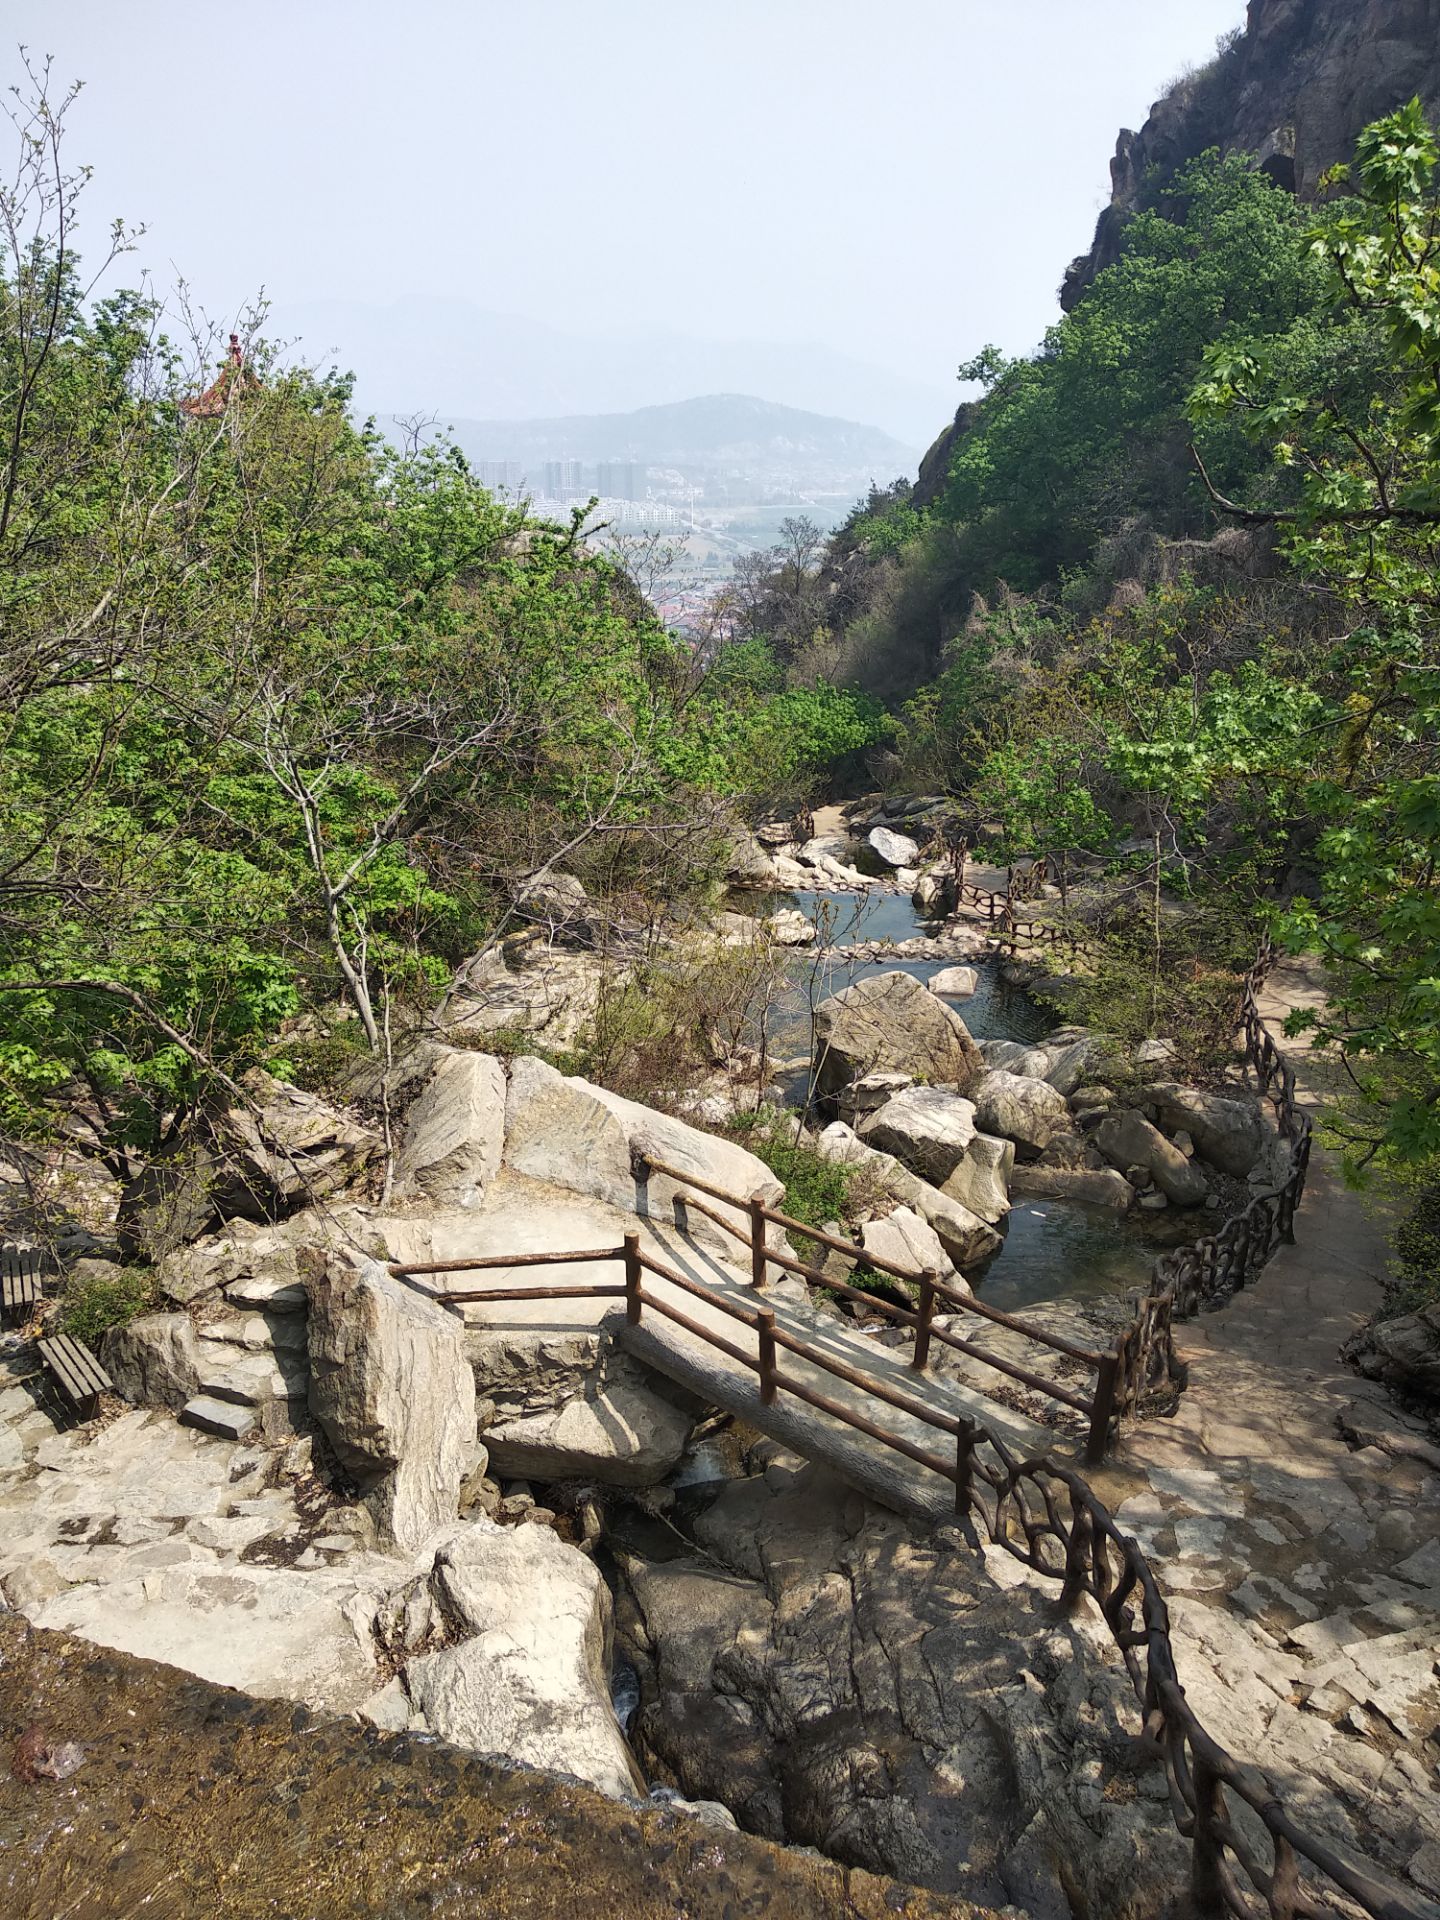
91	1304
1363	525
816	1190
1066	444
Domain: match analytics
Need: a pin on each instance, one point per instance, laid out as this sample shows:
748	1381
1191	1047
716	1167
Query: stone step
221	1417
233	1392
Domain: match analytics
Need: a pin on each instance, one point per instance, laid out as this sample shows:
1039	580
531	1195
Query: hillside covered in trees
1164	600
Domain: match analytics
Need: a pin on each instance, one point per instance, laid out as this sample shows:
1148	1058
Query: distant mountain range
461	361
719	430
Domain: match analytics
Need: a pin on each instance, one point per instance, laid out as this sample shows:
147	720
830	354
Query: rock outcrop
393	1391
1294	90
941	1727
530	1675
591	1141
455	1132
891	1022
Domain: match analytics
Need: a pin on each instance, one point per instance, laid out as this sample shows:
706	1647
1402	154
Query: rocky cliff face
1294	89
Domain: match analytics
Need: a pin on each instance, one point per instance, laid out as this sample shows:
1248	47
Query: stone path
1303	1575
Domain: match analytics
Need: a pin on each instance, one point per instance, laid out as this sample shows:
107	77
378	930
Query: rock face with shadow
838	1678
1294	90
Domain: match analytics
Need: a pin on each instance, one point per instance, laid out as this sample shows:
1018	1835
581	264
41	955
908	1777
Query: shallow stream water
1054	1249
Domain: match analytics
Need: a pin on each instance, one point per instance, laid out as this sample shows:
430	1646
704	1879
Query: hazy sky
900	182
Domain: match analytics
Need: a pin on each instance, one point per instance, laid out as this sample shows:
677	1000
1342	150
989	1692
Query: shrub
94	1302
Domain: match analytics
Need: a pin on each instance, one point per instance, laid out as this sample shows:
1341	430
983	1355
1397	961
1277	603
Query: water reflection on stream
1054	1249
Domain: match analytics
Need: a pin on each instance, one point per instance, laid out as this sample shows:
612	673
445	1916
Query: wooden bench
78	1374
19	1280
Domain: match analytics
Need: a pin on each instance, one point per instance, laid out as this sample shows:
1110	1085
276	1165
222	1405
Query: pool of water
1061	1250
1054	1249
994	1012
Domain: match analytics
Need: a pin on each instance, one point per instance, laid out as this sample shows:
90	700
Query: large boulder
892	1022
1127	1139
895	849
589	1140
1029	1112
908	1241
926	1127
155	1360
393	1391
455	1132
981	1182
532	1677
1228	1134
969	1240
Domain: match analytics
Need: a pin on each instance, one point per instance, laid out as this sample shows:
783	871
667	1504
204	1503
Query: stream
1054	1249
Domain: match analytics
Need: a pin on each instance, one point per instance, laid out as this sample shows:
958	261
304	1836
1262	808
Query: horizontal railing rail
1048	1517
1097	1408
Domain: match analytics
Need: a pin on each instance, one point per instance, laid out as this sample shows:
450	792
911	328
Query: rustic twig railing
1248	1856
1202	1277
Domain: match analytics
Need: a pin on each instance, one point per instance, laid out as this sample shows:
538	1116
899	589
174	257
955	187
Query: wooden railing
1242	1864
1096	1408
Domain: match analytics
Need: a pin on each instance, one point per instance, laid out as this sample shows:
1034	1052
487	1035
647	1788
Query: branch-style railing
1248	1856
1203	1276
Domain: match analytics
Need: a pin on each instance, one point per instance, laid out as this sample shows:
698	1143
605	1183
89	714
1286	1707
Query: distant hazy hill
718	430
431	355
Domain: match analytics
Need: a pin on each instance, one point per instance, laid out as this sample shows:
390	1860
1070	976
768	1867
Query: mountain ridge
706	428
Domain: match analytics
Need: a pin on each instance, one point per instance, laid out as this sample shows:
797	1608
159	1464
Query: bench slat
74	1366
86	1366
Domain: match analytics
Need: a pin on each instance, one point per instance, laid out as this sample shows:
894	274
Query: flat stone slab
225	1418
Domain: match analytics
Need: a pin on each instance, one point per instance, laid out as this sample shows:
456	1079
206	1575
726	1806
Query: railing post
757	1239
964	1467
634	1273
1207	1890
1102	1408
766	1331
929	1280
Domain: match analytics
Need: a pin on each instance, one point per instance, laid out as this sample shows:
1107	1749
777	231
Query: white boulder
955	983
591	1141
891	1022
392	1389
981	1181
926	1127
454	1132
1027	1111
895	849
532	1679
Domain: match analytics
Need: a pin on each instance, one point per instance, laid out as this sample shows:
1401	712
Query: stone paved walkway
1303	1573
